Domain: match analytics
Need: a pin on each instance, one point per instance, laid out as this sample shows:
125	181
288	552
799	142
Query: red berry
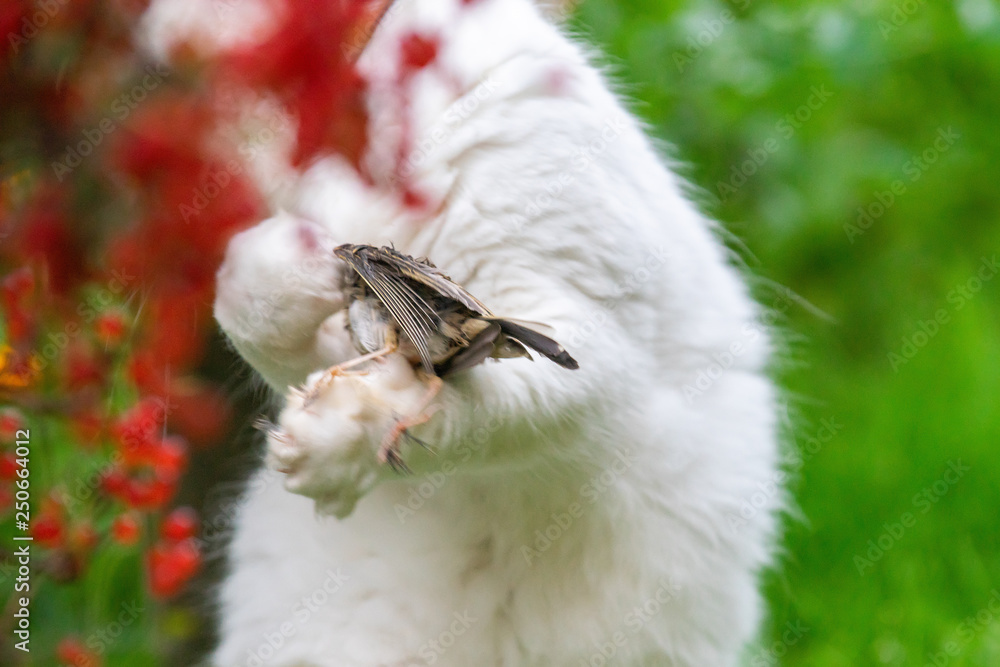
179	525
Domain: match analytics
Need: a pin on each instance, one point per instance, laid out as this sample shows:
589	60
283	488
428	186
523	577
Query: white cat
619	514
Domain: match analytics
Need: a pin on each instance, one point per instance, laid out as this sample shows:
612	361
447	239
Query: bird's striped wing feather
431	277
415	316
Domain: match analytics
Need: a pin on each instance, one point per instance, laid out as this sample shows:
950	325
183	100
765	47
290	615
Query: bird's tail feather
541	343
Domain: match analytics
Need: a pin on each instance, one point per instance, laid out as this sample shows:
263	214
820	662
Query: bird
398	303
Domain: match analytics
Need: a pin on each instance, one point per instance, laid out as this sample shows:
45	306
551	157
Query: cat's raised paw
328	436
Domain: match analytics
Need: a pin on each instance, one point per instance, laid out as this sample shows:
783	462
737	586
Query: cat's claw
388	452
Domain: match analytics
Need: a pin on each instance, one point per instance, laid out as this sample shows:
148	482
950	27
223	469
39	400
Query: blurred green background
891	108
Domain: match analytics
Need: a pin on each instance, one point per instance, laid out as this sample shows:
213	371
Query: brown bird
406	305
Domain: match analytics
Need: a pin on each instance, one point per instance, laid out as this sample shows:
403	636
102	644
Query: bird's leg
329	374
389	451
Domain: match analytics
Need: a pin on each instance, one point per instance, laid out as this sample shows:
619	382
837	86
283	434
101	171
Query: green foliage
899	75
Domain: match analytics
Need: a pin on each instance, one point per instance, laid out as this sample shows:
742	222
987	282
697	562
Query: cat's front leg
328	437
279	299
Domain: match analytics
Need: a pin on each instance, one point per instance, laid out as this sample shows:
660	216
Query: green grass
891	94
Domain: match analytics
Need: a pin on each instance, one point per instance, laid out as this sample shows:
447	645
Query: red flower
148	494
115	482
171	565
195	200
47	235
181	316
179	525
151	148
83	368
47	529
110	328
71	653
8	466
148	375
126	529
308	63
152	464
169	459
139	427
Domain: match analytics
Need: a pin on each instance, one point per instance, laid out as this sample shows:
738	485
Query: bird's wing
522	331
415	316
428	275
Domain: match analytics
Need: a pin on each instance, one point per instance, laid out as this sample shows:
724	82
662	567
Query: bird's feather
541	343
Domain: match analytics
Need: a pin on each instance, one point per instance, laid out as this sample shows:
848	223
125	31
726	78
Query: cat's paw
328	436
279	298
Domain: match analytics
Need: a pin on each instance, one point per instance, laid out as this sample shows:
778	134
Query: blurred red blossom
308	63
48	526
170	565
8	466
179	525
71	652
126	529
119	193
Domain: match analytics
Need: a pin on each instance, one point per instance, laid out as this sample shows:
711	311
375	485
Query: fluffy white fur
619	514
